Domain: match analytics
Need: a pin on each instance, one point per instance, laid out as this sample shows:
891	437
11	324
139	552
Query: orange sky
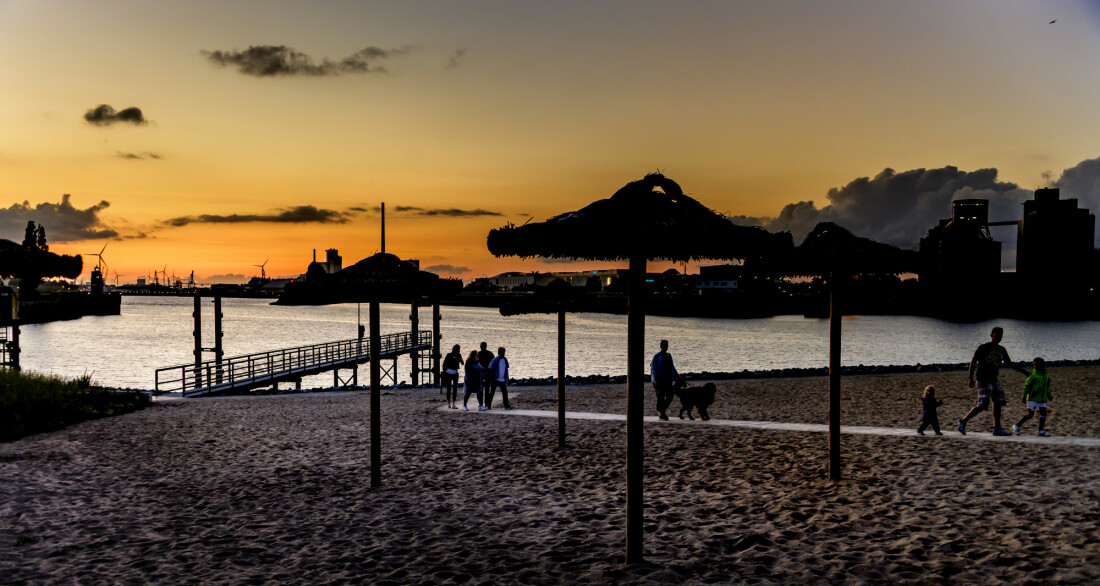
504	111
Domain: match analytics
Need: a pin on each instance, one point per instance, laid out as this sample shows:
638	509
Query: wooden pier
242	373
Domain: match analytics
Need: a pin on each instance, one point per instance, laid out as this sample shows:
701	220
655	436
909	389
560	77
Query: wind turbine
100	262
116	277
263	275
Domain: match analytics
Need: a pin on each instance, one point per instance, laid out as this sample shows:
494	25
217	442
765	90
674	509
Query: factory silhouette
1057	266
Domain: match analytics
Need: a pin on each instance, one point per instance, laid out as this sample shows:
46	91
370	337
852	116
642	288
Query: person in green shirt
1036	395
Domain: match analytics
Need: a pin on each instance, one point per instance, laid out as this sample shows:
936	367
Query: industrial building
1055	243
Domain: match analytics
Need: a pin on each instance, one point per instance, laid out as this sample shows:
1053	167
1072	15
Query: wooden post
835	317
561	378
635	406
375	402
14	350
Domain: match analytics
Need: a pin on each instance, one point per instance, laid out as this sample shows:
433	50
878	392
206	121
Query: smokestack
314	255
383	227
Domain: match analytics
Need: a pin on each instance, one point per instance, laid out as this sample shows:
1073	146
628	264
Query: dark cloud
456	59
277	60
296	215
900	208
104	115
449	269
137	156
62	221
357	209
447	212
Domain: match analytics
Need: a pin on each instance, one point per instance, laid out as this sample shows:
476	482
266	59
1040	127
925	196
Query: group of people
486	372
984	374
483	371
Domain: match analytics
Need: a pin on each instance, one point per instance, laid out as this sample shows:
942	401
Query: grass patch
34	403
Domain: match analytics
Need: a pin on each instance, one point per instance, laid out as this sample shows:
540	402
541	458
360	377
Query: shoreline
604	379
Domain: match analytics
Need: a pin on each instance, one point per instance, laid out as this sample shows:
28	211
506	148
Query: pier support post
375	402
198	341
414	318
14	350
635	406
436	341
218	353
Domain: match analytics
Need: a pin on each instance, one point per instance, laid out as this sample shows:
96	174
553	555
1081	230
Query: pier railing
262	368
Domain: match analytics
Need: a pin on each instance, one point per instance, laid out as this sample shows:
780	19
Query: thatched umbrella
837	255
637	223
379	278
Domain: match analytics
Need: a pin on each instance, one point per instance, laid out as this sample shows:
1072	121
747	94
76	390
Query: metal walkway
241	373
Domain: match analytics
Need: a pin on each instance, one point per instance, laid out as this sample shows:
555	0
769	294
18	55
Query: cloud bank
280	60
137	156
449	269
306	214
63	221
446	212
104	115
900	208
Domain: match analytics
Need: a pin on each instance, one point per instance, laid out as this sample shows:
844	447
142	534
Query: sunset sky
266	129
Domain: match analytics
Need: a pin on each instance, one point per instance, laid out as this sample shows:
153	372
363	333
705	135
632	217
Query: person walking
928	415
451	362
498	371
662	372
485	357
1037	394
985	368
473	381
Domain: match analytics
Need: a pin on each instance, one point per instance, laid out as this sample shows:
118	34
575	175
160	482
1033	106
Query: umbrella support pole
375	402
635	407
561	379
835	318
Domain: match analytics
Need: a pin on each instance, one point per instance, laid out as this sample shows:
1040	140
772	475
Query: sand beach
275	489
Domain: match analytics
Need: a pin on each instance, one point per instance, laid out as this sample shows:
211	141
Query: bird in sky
1053	21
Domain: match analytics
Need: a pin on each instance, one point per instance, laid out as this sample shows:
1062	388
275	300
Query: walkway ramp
242	373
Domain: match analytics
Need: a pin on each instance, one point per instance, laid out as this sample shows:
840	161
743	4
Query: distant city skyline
210	136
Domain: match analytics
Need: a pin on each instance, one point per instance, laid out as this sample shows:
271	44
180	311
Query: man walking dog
662	372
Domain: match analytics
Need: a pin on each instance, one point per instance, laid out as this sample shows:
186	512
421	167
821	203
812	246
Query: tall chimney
314	255
383	227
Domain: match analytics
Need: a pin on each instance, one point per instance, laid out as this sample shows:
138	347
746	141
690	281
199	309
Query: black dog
695	398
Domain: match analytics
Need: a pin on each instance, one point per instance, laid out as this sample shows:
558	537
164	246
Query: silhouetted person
451	363
1036	395
498	371
485	357
928	415
662	372
473	381
985	367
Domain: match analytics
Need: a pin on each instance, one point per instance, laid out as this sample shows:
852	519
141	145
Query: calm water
153	332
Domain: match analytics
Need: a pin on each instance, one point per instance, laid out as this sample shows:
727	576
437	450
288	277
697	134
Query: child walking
1036	395
928	415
